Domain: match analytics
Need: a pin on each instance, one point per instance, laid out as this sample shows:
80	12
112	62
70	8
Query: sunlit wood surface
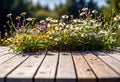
55	66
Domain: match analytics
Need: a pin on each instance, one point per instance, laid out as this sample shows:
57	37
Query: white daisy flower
67	26
73	34
117	17
54	21
65	16
62	24
56	28
58	39
48	25
49	19
94	11
29	19
85	9
119	26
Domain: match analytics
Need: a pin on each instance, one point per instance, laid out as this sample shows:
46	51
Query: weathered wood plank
103	72
4	53
3	48
84	72
66	71
25	72
47	70
113	63
10	65
6	57
114	54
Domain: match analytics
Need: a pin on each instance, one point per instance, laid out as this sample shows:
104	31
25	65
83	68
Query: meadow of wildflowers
88	32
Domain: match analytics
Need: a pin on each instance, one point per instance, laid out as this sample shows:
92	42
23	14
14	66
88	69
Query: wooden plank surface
3	48
4	53
60	67
103	72
10	65
84	72
26	71
112	62
6	57
66	71
114	54
47	70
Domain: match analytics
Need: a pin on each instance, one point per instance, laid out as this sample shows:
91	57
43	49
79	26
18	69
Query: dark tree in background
92	5
19	6
10	6
5	8
72	7
80	3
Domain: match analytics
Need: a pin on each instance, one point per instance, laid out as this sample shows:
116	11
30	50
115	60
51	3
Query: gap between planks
103	72
109	60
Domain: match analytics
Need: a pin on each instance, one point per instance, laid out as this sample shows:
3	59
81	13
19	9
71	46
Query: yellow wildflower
31	35
47	33
37	36
55	25
65	36
5	41
70	31
34	29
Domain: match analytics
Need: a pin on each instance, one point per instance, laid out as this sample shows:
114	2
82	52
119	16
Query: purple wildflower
42	27
19	27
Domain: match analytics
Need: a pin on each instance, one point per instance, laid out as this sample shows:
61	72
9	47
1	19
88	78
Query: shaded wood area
55	66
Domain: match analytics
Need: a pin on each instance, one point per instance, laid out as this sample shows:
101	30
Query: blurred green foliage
113	8
70	7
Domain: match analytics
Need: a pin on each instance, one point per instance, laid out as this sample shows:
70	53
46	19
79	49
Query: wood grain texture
114	54
86	66
4	48
6	57
84	72
103	72
10	65
5	52
25	72
47	70
112	62
66	71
